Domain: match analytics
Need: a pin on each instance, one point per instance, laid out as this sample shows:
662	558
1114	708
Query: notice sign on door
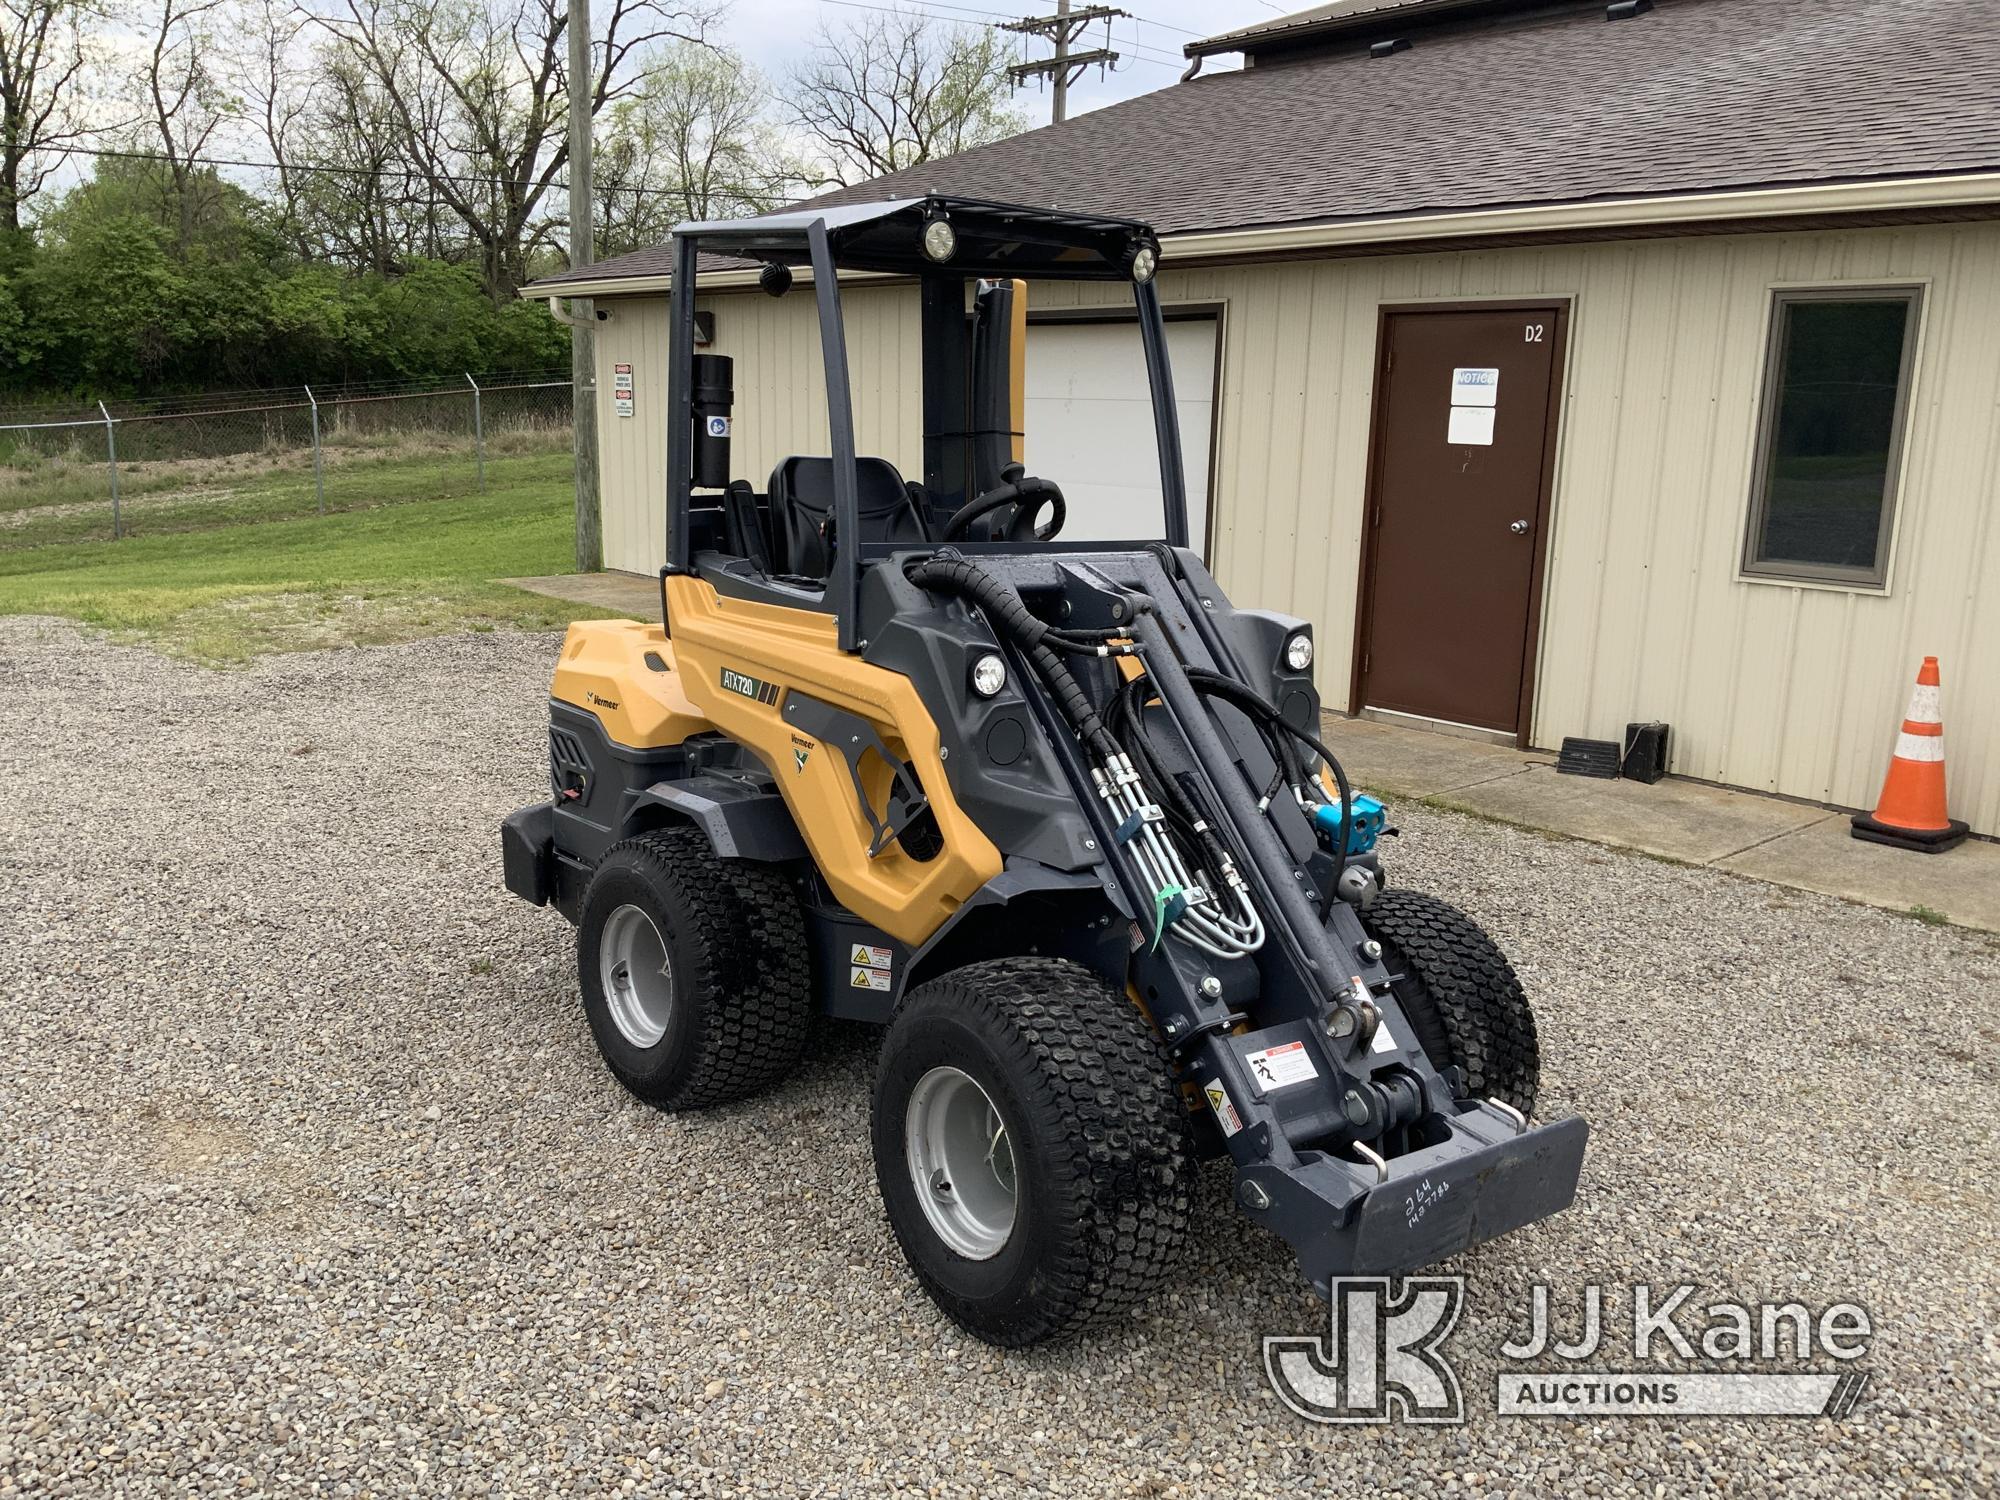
621	389
1475	399
1475	387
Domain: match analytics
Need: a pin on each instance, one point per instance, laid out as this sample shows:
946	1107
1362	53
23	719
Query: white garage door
1090	424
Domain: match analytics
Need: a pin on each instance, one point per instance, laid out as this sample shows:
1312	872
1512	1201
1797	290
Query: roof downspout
1194	67
570	319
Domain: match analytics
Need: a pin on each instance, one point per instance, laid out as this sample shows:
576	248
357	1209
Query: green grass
68	504
420	561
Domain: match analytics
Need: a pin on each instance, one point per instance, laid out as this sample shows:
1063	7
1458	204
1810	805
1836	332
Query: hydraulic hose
1255	704
1221	922
1038	640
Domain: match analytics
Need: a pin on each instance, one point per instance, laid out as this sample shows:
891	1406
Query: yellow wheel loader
1010	776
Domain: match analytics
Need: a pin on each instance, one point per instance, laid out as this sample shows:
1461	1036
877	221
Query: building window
1837	386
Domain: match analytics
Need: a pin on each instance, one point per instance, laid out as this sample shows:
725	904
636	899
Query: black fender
739	820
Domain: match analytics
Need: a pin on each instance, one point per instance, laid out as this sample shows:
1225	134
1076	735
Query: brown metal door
1465	411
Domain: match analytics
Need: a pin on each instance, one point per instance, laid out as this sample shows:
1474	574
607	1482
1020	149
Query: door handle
1519	528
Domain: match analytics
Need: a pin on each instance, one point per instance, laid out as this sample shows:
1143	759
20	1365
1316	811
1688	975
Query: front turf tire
1098	1146
733	1017
1460	994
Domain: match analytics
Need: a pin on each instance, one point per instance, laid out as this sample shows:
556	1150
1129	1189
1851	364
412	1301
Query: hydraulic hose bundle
1195	887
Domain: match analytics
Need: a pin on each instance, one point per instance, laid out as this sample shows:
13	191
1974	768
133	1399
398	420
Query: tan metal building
1697	421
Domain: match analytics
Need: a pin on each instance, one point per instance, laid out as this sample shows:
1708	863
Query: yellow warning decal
1224	1107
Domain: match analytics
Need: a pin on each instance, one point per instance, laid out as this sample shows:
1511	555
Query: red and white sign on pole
621	389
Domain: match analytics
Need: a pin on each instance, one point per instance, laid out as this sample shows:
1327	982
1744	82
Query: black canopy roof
993	239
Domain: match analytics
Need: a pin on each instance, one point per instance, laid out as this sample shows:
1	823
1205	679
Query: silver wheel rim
961	1162
638	977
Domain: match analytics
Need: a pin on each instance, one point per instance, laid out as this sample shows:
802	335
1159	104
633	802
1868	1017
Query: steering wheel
1027	494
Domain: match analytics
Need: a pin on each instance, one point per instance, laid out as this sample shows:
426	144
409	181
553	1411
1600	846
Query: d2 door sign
621	390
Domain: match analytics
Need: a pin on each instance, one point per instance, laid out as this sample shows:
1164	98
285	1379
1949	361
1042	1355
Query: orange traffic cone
1910	813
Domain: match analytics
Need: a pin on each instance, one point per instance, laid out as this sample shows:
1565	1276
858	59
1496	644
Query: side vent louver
569	767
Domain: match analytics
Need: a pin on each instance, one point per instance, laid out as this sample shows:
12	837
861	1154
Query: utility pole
1062	29
583	313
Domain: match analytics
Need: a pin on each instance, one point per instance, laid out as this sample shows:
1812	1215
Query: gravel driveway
311	1183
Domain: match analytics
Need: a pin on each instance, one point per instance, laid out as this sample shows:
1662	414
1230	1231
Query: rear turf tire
728	939
1097	1147
1460	994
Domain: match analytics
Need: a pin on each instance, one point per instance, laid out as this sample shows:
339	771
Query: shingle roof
1564	107
1287	27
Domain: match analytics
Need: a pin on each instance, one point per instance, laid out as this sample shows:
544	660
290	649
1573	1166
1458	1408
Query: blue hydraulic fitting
1364	828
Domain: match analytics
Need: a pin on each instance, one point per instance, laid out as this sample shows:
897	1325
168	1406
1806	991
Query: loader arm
1348	1141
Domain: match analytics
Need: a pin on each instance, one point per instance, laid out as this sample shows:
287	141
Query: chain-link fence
108	469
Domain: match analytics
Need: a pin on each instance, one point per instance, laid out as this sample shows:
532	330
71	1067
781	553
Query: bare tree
276	95
477	93
889	91
363	205
42	65
690	143
185	103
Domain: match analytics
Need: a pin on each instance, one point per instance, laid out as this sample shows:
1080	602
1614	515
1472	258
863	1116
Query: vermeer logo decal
802	749
748	686
593	696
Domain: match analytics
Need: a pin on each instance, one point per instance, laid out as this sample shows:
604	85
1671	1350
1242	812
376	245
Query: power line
1169	26
407	174
971	10
1164	60
1065	67
1161	52
918	11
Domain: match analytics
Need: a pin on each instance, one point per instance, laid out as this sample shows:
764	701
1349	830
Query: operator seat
802	503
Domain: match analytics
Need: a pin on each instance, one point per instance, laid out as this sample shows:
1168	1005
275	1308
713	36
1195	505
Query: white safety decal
1275	1067
875	958
863	978
1385	1040
1224	1107
1470	427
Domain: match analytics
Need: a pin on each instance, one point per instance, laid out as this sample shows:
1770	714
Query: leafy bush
120	299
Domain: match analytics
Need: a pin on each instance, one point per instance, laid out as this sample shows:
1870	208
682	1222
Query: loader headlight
1299	652
989	675
940	240
1145	261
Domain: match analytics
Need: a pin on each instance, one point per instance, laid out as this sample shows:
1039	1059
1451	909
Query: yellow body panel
799	650
603	669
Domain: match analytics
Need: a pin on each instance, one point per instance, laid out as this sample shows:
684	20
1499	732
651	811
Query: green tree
692	142
477	94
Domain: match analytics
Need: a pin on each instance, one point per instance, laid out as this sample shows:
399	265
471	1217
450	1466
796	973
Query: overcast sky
774	34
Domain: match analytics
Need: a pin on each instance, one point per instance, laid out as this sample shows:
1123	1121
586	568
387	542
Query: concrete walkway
1768	838
616	593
